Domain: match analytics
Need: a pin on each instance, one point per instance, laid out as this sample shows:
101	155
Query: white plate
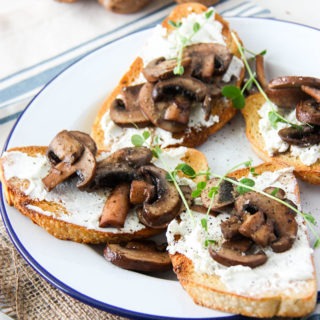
71	101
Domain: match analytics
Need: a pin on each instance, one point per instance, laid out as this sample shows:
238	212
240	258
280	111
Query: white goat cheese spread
274	144
282	271
164	44
84	208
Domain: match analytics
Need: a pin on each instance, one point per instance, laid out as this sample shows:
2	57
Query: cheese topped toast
267	283
67	212
173	87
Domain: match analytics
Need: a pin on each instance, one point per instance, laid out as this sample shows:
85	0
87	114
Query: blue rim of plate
47	275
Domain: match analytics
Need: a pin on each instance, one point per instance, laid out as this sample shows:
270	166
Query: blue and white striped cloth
39	40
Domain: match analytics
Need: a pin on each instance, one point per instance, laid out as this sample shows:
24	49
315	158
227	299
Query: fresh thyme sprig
185	41
237	95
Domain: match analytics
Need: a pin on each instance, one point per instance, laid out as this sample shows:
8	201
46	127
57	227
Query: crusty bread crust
209	291
223	108
13	190
254	102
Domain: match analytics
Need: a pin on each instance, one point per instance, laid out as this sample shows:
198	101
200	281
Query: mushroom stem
116	207
260	71
58	174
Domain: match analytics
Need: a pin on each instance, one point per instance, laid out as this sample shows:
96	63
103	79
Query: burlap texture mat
24	294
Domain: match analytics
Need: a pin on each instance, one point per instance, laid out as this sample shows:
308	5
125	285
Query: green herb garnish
185	41
274	116
208	242
247	183
235	95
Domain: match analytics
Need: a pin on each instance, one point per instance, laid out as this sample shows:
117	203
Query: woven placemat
24	294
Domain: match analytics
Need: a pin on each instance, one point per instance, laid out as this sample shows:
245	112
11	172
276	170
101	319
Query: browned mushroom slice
230	227
225	196
139	256
120	167
71	156
186	86
64	147
133	156
239	244
141	191
208	59
174	113
85	139
116	208
293	82
125	111
264	236
155	110
229	257
302	137
251	223
160	68
261	77
286	97
166	204
110	174
84	168
312	92
285	225
308	111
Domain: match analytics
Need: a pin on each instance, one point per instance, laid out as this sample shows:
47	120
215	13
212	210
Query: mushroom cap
155	110
109	174
160	68
64	147
125	111
284	222
71	152
186	86
303	137
208	59
142	256
293	82
288	91
226	194
120	167
166	204
85	139
134	156
312	92
229	257
308	111
286	97
68	146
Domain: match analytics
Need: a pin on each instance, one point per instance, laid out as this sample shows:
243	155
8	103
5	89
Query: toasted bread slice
309	173
66	212
192	136
272	289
